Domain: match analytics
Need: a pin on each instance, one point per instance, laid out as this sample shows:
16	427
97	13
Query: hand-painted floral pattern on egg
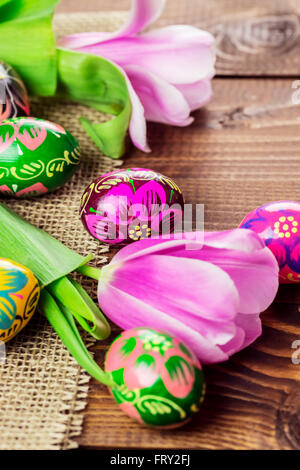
36	156
13	95
129	205
159	380
19	295
278	224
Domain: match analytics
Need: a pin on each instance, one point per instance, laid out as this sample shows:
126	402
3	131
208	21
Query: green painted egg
36	156
158	380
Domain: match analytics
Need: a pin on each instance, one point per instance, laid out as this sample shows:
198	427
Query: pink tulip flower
210	296
168	70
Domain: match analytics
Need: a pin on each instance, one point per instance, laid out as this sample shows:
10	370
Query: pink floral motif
32	137
8	133
131	411
36	189
278	224
147	355
54	127
123	210
5	189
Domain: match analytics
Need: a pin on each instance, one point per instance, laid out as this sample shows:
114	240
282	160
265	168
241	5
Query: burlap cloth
42	389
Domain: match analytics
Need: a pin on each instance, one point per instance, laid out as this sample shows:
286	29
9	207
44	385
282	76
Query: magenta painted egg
131	204
159	381
278	224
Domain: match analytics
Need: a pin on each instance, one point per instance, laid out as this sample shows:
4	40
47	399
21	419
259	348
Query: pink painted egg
278	224
131	204
159	381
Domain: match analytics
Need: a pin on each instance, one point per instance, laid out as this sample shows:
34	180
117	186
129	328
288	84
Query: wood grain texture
253	37
242	151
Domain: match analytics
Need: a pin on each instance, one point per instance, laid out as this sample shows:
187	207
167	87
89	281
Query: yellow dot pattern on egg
287	234
290	218
282	219
295	223
281	235
276	230
285	227
276	224
194	408
294	230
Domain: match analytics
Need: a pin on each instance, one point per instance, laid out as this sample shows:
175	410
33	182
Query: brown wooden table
242	151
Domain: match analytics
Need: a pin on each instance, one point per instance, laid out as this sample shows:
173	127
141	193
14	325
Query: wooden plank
253	38
242	151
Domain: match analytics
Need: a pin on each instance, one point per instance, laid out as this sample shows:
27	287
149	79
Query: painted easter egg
36	156
19	295
13	95
129	205
159	381
278	224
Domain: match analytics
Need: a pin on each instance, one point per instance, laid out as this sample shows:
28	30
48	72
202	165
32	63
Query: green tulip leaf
27	42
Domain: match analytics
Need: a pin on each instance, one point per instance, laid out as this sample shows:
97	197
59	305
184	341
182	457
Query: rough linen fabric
42	389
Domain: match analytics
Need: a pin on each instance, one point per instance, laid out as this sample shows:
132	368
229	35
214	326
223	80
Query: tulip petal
142	14
235	344
177	54
137	126
128	312
247	261
240	253
236	239
185	54
180	286
248	329
161	101
255	275
196	94
152	245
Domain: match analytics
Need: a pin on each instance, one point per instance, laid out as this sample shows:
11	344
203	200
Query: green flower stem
70	294
64	325
89	271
